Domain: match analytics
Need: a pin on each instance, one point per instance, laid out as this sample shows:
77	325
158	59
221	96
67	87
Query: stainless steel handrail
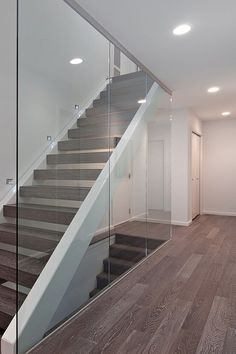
83	13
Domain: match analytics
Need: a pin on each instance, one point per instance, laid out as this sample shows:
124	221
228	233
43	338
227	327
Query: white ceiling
46	46
189	64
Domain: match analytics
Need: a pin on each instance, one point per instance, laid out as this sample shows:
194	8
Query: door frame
200	174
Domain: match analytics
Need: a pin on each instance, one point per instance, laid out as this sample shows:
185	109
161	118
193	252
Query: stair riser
118	101
96	131
133	75
99	157
90	175
53	217
127	255
122	99
5	320
23	278
122	91
116	118
102	283
114	268
66	193
29	242
138	242
105	109
122	84
71	145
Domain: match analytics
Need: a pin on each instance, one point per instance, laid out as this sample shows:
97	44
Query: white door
156	175
196	144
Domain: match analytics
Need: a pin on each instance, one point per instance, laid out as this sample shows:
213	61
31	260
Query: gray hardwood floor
181	300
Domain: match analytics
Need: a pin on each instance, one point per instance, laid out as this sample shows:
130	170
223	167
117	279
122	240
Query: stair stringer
41	304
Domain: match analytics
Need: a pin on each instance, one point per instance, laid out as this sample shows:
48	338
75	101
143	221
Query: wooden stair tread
29	237
78	157
31	231
22	263
54	192
67	174
45	207
88	143
101	118
45	213
8	299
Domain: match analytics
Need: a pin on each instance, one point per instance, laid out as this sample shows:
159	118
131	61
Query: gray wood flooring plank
213	336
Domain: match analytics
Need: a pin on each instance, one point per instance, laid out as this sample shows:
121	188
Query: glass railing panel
141	204
63	146
90	204
159	170
126	95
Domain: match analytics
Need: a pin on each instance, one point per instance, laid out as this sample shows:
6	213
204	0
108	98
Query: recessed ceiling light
182	29
142	101
225	114
76	61
213	89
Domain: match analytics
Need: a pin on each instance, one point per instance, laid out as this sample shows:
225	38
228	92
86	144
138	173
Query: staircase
123	255
48	206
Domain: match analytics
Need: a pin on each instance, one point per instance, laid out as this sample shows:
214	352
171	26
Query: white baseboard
157	221
181	223
219	213
141	217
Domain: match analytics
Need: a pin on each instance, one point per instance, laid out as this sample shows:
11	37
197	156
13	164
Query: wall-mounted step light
10	181
76	61
142	101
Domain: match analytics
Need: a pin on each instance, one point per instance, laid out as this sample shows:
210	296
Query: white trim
220	213
157	221
142	217
181	223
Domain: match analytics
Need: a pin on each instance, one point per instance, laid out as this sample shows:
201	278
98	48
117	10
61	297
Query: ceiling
189	64
47	46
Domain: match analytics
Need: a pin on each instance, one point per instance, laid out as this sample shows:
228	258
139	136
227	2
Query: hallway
181	300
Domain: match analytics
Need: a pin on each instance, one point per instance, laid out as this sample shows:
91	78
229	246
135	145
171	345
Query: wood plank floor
182	300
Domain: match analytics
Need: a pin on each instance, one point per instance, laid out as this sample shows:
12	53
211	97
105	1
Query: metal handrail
91	20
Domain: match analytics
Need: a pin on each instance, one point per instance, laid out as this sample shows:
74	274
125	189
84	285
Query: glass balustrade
94	196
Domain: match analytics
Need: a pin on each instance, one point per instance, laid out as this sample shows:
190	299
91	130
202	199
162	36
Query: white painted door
196	144
156	175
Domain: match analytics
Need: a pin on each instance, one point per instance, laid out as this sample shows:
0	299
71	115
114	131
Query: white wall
183	123
7	93
219	167
180	168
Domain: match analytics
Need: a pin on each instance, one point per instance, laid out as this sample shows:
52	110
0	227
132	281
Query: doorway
196	148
